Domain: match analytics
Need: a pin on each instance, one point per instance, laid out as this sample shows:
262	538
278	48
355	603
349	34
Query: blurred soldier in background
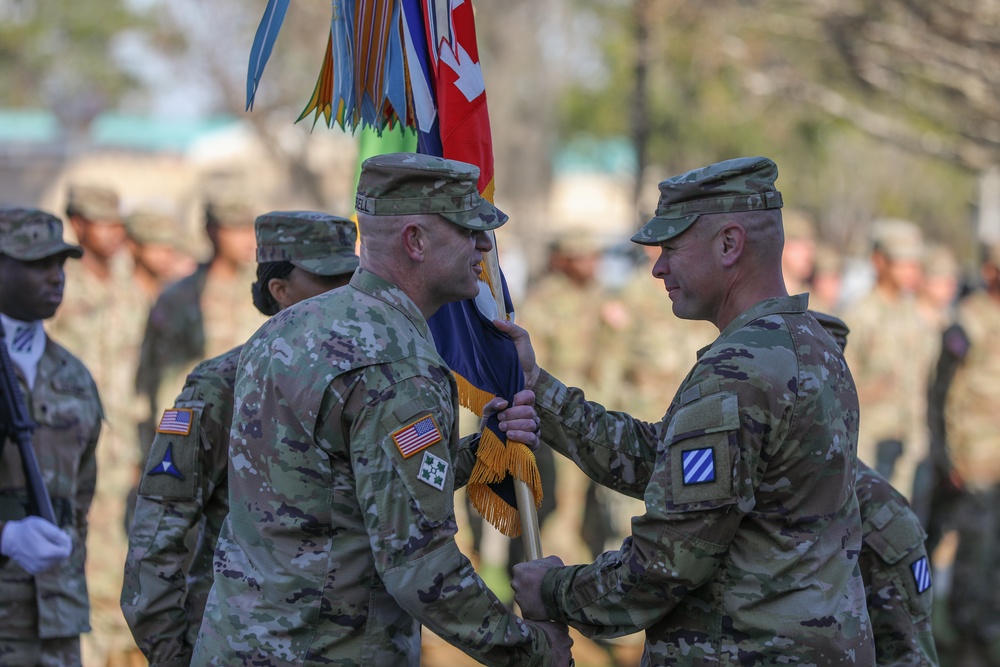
938	290
652	367
564	310
893	561
827	278
101	321
964	414
202	315
43	592
153	243
936	307
889	356
798	257
300	254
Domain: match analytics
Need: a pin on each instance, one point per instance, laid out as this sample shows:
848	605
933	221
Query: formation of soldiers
922	358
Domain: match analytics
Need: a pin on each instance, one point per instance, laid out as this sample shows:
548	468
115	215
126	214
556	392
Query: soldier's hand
559	640
525	353
527	585
520	421
35	544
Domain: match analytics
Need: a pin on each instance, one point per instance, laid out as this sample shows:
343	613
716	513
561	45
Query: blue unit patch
166	466
921	574
699	466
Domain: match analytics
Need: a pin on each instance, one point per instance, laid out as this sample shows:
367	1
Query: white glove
35	544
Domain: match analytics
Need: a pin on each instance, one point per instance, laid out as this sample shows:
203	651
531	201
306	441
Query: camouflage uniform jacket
897	575
183	489
747	552
196	317
65	406
344	457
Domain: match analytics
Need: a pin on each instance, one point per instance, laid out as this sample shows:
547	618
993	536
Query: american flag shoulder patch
416	436
176	421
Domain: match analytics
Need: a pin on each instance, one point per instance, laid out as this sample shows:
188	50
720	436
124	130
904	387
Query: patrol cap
897	239
828	259
577	243
228	210
29	234
731	186
991	253
414	184
148	226
798	224
95	203
938	260
316	242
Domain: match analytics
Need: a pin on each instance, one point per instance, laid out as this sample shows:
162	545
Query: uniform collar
779	304
383	290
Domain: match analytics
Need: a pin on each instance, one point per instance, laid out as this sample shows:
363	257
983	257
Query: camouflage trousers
974	603
63	652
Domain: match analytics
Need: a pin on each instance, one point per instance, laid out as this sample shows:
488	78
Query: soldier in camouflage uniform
564	307
44	611
893	561
101	322
798	258
890	356
202	315
344	454
153	243
747	552
965	427
300	254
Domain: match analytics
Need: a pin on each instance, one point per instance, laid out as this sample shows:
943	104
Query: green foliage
53	52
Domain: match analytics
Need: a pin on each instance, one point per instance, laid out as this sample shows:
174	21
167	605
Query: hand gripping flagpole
531	538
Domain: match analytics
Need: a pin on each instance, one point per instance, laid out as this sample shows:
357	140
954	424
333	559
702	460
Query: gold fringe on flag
495	459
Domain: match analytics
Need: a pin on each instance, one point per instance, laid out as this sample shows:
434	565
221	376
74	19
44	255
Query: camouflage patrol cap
939	260
316	242
29	234
577	243
798	224
732	186
228	210
94	203
898	239
991	253
147	226
414	184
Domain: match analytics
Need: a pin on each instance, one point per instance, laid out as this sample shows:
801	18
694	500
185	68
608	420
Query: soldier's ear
278	287
415	239
732	240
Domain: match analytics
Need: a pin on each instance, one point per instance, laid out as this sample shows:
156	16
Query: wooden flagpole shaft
530	535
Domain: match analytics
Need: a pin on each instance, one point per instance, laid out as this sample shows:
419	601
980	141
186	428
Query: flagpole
530	535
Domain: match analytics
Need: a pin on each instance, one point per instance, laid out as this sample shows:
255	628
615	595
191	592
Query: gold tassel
495	459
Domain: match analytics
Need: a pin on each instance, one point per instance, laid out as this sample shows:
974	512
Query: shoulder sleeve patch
416	436
171	469
176	421
703	441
